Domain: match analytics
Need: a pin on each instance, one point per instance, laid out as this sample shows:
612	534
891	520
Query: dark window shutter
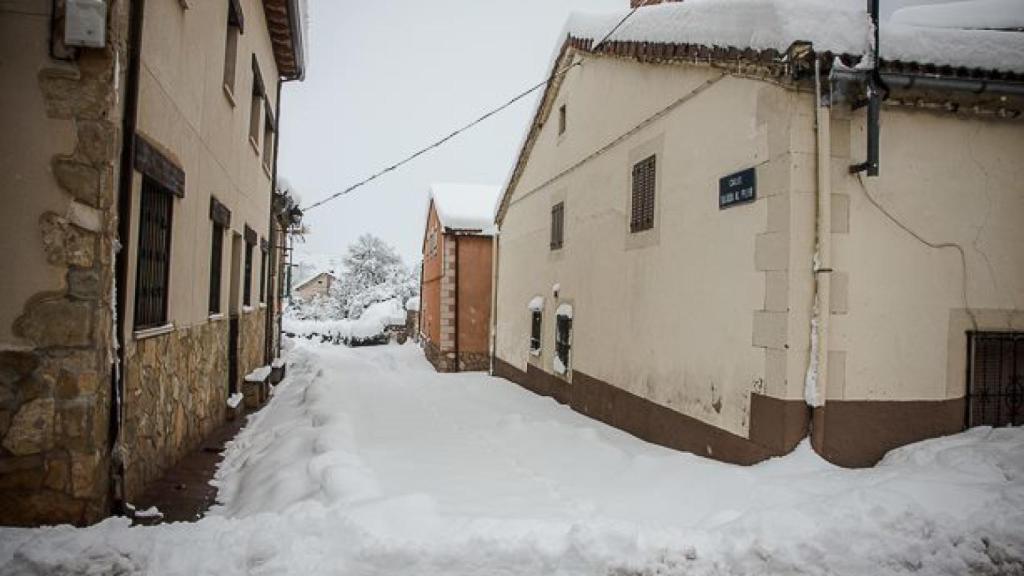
216	260
642	209
557	225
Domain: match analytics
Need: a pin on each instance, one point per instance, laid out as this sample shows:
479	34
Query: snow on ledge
537	304
258	375
564	310
468	207
235	399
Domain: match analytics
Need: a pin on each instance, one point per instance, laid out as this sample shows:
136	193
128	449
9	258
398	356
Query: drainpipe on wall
817	369
269	350
124	210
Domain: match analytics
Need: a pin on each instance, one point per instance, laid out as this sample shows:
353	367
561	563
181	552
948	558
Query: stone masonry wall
55	390
252	327
176	389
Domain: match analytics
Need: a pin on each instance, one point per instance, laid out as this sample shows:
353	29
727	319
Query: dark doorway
995	371
234	310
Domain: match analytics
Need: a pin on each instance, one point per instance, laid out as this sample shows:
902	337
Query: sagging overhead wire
475	122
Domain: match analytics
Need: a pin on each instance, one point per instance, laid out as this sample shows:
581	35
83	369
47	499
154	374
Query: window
156	208
216	264
557	225
642	209
268	140
563	338
535	331
250	244
996	370
256	106
231	44
263	274
561	120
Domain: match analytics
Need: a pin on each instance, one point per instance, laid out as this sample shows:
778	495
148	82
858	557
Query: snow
465	206
536	304
151	512
235	399
278	363
368	462
564	310
976	14
371	324
258	375
557	365
413	304
839	26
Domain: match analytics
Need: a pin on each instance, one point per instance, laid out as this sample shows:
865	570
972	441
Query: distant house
455	307
318	285
685	254
143	233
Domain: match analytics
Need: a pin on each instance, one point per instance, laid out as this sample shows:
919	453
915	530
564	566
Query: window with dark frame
557	225
263	275
268	140
256	106
642	199
156	210
234	30
216	265
563	337
561	120
535	325
247	281
995	376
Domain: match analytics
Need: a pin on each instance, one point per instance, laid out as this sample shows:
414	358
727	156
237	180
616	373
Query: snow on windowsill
151	332
258	375
247	309
235	399
263	305
278	363
535	352
215	317
556	364
537	304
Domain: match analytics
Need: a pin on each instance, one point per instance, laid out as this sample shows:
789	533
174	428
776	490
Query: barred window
250	244
216	264
535	330
557	225
642	210
156	209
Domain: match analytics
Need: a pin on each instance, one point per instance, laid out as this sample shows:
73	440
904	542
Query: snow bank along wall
455	305
695	334
61	200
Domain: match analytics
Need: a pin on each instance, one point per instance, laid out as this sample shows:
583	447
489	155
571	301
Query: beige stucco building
690	209
137	190
317	286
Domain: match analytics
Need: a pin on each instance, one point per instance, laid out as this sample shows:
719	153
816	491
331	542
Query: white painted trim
151	332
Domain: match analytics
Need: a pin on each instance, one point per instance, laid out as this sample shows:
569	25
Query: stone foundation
176	390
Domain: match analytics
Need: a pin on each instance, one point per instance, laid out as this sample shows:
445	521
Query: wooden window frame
643	195
233	31
256	106
153	256
558	226
216	267
536	324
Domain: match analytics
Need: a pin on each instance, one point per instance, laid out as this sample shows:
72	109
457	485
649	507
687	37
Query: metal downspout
124	212
494	299
817	370
269	351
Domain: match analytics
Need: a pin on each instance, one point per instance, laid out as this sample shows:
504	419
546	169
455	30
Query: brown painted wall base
858	433
847	433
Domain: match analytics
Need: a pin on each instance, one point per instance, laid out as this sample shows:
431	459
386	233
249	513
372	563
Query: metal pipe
817	370
124	212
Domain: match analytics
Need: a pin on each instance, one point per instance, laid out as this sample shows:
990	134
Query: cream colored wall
951	179
668	314
27	186
184	108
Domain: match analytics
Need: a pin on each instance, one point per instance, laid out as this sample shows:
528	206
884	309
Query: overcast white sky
388	77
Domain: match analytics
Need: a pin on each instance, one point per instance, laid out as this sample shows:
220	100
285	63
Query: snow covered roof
764	31
465	207
314	277
836	26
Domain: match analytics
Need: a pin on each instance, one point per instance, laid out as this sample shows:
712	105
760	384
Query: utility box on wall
85	23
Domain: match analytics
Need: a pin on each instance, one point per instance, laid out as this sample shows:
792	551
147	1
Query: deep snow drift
368	462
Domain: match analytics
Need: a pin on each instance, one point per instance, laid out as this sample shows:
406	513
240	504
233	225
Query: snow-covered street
366	461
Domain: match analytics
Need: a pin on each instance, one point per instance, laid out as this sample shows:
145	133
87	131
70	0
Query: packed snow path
368	462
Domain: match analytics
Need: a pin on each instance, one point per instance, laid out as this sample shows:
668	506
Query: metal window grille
563	338
642	209
247	292
995	379
535	331
263	277
557	225
216	263
156	208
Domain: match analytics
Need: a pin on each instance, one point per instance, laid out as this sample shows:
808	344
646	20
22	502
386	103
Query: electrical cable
475	122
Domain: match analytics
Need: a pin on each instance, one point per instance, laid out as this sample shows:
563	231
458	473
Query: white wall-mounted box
85	23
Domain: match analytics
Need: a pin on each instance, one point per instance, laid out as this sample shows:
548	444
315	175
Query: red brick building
455	309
